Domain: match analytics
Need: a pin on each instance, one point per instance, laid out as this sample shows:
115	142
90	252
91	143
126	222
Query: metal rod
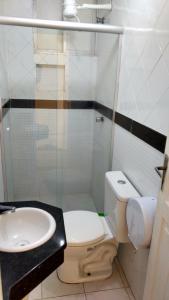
61	25
95	6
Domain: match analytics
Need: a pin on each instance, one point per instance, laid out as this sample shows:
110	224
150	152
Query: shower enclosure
57	111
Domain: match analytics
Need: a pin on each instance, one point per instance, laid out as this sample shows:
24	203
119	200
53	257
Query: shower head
70	9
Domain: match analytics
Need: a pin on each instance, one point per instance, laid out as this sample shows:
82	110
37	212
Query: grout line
124	278
61	296
109	289
74	294
122	274
130	294
84	290
127	293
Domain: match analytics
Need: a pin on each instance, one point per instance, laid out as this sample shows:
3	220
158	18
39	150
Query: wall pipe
71	26
60	25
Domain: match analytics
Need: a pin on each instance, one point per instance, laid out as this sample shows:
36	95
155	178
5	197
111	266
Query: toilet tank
118	190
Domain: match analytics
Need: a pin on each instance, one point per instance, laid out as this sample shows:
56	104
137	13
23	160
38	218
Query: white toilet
92	241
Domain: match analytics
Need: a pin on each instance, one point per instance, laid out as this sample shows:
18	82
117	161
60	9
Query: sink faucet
7	209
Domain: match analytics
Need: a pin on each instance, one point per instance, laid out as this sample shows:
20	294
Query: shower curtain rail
60	25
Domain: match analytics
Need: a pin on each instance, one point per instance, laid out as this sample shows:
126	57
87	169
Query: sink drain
22	243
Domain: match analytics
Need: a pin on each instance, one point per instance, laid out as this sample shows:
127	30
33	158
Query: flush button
121	181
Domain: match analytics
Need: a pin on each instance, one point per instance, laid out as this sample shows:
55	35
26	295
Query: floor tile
36	293
122	275
71	297
53	287
112	282
116	294
129	292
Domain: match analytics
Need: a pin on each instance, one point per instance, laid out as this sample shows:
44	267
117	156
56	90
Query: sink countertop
21	272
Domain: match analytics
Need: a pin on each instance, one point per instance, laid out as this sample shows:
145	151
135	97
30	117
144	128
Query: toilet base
82	279
88	263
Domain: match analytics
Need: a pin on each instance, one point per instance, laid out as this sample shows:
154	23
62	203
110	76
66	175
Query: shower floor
81	201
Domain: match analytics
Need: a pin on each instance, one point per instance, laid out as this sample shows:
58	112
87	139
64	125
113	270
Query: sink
25	229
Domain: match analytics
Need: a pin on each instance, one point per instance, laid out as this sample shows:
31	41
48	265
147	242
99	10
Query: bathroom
77	104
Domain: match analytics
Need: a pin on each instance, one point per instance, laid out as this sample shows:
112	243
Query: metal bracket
163	169
99	119
100	20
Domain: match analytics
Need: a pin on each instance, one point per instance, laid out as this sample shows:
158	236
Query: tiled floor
113	288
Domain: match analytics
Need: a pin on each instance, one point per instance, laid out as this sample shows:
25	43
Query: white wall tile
82	77
3	94
101	159
82	43
78	202
107	52
16	8
52	143
143	92
136	274
49	10
137	160
158	117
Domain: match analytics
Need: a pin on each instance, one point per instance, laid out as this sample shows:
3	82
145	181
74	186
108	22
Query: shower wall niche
58	83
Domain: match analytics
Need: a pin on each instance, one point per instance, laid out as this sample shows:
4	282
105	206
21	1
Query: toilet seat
83	228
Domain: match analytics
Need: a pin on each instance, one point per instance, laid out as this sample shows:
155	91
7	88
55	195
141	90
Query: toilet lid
83	227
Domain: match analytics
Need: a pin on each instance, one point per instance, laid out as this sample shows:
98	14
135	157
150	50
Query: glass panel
58	84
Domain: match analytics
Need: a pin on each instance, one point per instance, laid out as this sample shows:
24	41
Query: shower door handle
161	170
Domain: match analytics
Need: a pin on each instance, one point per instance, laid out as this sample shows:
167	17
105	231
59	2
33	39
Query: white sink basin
25	229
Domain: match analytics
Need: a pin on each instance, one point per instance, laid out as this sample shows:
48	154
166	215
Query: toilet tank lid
121	186
83	227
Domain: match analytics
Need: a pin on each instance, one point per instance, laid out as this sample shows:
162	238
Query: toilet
92	241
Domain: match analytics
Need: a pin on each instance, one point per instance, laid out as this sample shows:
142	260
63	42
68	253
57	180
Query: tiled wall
40	63
19	51
101	158
47	150
107	61
137	160
3	96
142	96
107	50
47	145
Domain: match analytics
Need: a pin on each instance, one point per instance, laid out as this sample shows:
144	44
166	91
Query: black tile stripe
7	104
103	110
123	121
155	139
5	108
146	134
62	104
51	104
150	136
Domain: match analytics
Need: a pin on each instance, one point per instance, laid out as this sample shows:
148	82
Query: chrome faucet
7	209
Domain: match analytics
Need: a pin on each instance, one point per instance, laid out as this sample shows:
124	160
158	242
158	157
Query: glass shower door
58	84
